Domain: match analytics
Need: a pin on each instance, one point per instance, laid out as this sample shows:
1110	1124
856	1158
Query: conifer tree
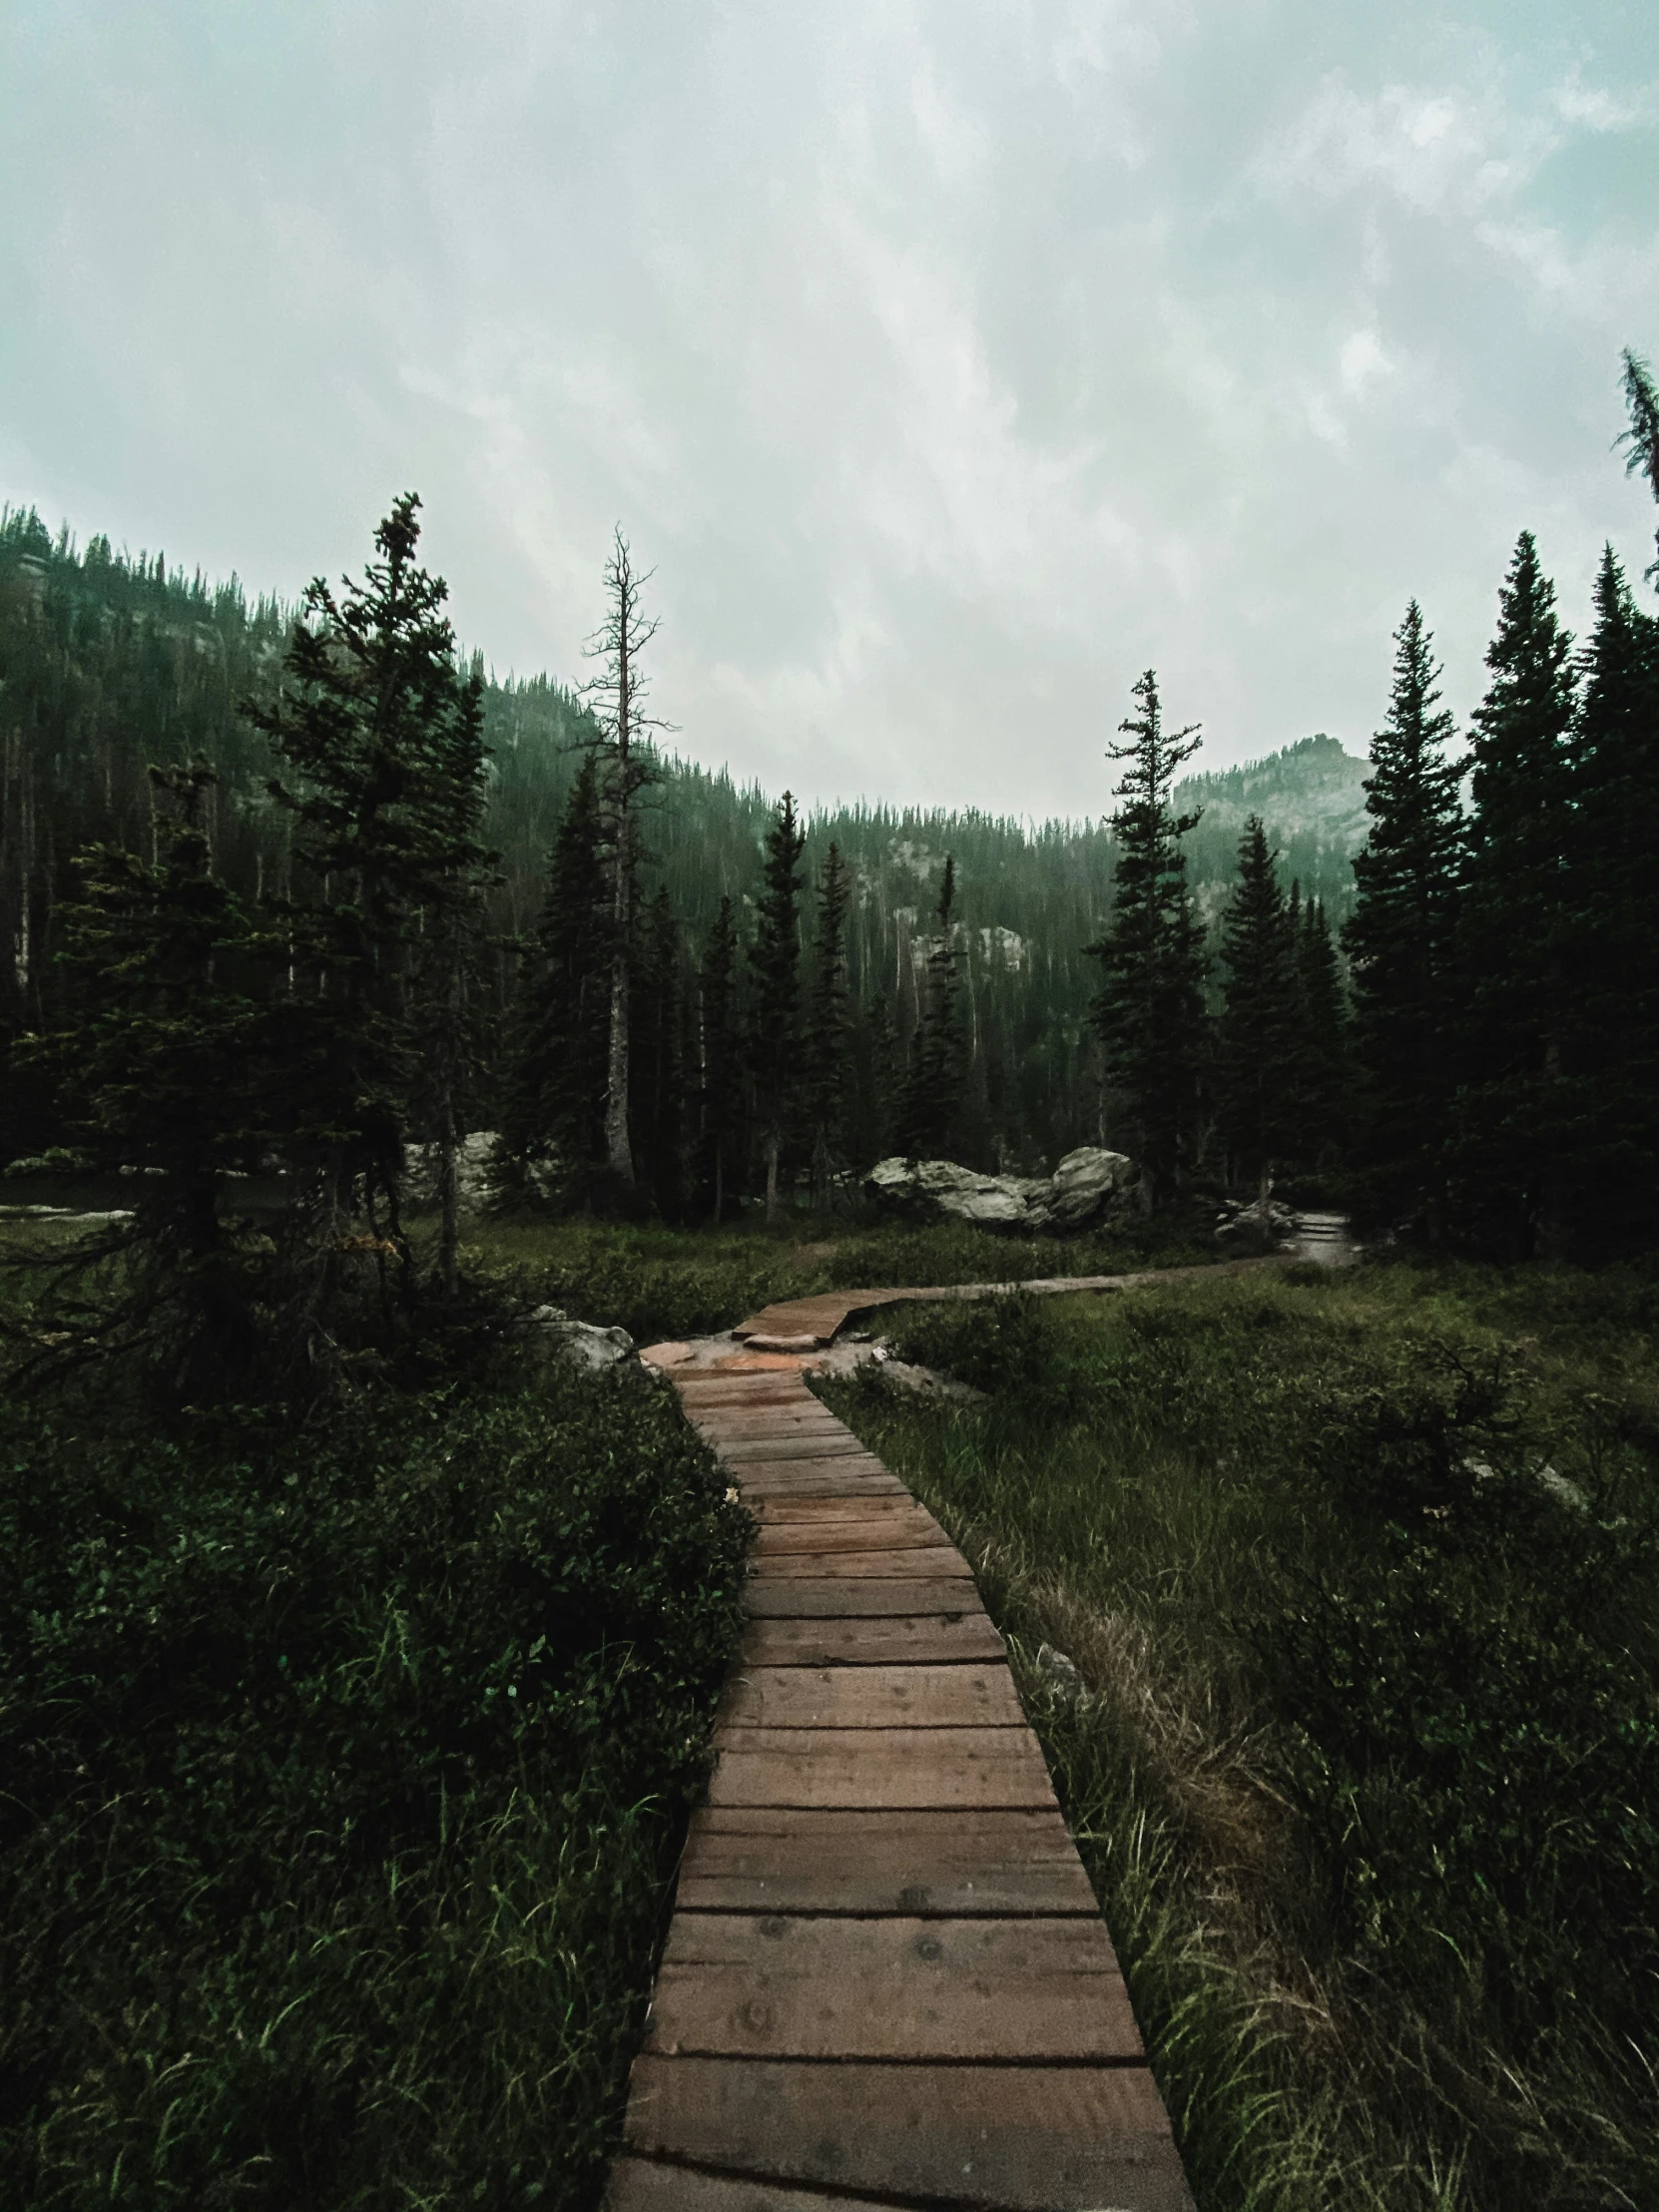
930	1103
1399	942
1513	975
1259	1037
720	1098
1325	1082
775	961
551	1125
656	1115
1149	1015
383	736
1613	907
618	696
1641	440
824	1044
165	1063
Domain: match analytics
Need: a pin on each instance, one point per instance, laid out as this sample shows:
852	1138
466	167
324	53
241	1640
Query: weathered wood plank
1019	2138
849	1532
796	1597
876	1767
642	2185
764	1985
942	1561
802	1474
931	1639
813	1513
841	1443
856	1482
999	1862
872	1697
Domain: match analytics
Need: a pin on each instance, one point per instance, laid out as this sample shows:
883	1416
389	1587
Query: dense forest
112	663
667	992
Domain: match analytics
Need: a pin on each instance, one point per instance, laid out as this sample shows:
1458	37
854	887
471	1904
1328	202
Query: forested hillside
112	663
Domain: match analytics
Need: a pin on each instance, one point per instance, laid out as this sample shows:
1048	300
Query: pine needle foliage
1149	1015
1258	1036
930	1104
775	1020
1400	942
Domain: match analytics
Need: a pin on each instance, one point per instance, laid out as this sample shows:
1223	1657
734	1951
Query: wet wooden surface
885	1983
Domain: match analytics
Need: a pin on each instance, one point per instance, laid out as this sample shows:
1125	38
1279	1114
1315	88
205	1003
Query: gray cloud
951	361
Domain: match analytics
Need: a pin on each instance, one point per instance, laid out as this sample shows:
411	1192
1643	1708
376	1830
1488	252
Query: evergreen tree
775	961
930	1103
657	1110
1259	1037
383	736
1325	1077
617	695
1612	916
164	1064
1514	978
1399	942
1149	1015
1641	440
551	1124
720	1098
824	1043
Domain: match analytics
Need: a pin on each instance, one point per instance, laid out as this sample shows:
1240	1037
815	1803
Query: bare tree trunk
618	1151
449	1202
774	1204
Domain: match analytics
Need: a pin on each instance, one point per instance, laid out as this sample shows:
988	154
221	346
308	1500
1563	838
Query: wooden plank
840	1445
1019	2138
877	1767
849	1480
824	1597
764	1985
848	1531
812	1512
755	1858
931	1639
643	2185
938	1560
806	1409
846	1468
872	1697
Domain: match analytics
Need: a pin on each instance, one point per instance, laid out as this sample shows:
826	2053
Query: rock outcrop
584	1342
1087	1186
472	1164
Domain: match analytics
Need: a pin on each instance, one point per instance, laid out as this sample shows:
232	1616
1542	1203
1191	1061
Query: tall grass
1361	1749
342	1772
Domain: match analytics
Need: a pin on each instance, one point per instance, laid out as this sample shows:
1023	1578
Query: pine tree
719	1096
1149	1015
1612	917
775	961
1325	1079
656	1112
930	1103
1259	1037
1641	440
1399	942
825	1075
164	1065
551	1125
618	694
1513	987
382	734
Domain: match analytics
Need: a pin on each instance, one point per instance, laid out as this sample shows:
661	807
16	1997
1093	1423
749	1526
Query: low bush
340	1768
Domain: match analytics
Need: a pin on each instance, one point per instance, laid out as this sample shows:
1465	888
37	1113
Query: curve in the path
886	1983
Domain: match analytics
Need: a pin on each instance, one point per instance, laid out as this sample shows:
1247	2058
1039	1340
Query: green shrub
340	1769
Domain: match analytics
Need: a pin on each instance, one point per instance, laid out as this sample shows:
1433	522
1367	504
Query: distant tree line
673	997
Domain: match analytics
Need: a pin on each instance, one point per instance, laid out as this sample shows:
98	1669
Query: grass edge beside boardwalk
1295	2081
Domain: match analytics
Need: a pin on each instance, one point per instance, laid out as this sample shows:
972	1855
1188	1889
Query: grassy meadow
1358	1580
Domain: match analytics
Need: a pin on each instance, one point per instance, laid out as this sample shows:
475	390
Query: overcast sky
951	361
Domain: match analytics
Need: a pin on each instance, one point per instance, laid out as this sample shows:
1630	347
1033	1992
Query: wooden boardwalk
886	1983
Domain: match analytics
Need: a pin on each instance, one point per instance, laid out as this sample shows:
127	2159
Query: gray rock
1089	1184
583	1343
1059	1675
1260	1226
472	1159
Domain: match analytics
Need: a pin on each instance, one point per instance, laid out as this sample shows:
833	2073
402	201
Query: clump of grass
1358	1573
343	1769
